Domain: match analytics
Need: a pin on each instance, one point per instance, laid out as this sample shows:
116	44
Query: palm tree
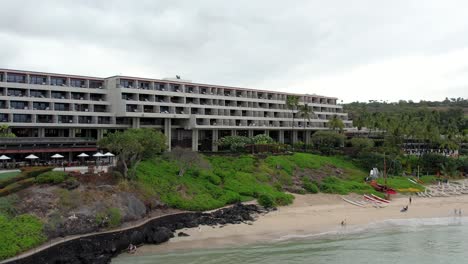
292	102
305	111
336	123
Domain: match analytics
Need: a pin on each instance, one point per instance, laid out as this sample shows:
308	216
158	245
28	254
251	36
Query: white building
67	109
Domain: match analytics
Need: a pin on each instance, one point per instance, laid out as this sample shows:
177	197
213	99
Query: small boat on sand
352	202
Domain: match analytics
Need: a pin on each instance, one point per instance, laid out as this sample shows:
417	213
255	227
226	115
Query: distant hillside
381	106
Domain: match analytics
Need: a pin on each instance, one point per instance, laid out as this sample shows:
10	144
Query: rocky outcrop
100	248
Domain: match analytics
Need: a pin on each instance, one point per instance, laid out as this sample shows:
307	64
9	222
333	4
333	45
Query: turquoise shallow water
441	240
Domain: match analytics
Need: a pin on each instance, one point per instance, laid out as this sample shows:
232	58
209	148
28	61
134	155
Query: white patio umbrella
4	158
31	157
98	155
57	156
82	156
109	155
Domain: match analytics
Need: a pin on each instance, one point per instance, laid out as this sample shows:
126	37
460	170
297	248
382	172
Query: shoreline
311	215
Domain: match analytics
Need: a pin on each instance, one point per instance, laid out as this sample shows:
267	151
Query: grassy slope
6	175
232	179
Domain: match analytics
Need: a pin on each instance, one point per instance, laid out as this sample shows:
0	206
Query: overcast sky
354	50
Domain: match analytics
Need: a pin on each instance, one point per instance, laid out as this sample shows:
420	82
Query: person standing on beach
410	200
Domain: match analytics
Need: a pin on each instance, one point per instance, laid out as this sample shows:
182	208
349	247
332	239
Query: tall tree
5	132
335	123
305	111
133	145
292	102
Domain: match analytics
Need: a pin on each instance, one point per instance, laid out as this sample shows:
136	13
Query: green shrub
310	187
27	172
362	144
19	233
262	139
7	205
266	201
53	177
34	171
327	142
17	186
115	217
234	143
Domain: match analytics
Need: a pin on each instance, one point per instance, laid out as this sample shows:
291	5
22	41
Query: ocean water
415	241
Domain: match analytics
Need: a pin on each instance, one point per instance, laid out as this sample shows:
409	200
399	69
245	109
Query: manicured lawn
6	175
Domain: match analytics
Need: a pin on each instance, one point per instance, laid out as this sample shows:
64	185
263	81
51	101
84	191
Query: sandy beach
309	214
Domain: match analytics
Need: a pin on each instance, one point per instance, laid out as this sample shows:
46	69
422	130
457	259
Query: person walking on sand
459	212
410	200
343	223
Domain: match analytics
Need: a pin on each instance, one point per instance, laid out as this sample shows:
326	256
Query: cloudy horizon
359	51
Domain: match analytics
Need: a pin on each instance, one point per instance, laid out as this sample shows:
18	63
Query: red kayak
382	188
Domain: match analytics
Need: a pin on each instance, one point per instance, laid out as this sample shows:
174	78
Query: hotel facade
64	113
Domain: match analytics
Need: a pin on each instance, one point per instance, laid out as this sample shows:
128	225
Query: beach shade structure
109	155
31	157
3	159
57	156
98	155
83	155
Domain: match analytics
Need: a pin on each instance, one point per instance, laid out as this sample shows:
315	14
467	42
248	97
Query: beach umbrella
98	155
3	157
82	156
109	155
57	156
31	157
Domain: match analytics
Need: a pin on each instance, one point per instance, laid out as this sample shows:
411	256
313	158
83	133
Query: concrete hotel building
51	112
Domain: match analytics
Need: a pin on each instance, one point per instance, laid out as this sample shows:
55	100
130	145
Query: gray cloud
303	46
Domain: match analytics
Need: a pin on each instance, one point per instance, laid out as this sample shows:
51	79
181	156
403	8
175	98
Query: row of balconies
50	80
195	89
221	112
59	119
214	102
18	92
46	106
257	123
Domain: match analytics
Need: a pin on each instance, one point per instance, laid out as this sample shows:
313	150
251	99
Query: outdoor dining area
17	161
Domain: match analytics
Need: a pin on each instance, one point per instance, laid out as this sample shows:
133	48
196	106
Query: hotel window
16	78
58	95
95	84
18	105
61	107
20	118
36	93
38	79
40	106
57	81
78	83
126	83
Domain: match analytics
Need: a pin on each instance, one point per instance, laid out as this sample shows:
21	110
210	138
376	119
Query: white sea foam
410	224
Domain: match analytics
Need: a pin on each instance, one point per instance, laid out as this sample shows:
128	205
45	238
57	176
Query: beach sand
309	214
